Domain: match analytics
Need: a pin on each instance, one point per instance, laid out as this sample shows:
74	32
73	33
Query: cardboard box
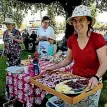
72	99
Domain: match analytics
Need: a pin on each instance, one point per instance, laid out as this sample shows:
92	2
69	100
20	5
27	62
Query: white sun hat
81	10
53	37
8	21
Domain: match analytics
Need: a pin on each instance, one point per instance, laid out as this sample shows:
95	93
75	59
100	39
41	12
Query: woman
44	32
12	39
88	50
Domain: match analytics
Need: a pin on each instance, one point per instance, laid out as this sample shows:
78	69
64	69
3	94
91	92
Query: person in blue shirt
105	37
52	46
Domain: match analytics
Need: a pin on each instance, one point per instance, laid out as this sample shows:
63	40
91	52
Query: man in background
33	40
25	36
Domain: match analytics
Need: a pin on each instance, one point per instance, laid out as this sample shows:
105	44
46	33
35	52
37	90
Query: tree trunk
69	7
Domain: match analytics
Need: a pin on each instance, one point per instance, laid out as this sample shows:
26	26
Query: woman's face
45	23
9	26
80	24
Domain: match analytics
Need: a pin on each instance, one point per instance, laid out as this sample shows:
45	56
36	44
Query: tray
72	99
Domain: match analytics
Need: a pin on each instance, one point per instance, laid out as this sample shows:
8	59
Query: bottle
36	67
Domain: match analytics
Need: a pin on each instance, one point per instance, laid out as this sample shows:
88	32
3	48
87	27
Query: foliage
64	7
97	25
8	9
100	26
18	17
59	7
103	98
100	4
93	10
5	8
60	27
52	14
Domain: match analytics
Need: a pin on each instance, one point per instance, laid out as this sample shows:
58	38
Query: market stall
18	85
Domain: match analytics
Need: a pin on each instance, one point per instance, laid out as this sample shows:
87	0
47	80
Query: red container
36	55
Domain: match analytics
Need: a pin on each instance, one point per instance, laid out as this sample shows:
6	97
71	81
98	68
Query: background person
88	50
25	36
33	39
44	32
52	46
12	40
68	33
105	37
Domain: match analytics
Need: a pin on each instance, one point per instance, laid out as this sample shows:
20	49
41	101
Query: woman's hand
93	82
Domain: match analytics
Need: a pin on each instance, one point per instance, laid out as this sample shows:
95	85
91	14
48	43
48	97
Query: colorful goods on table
58	57
66	83
50	80
33	65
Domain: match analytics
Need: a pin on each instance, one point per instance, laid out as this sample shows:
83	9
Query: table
18	85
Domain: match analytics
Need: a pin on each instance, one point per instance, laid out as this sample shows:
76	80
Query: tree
51	13
5	9
68	5
64	7
18	17
9	9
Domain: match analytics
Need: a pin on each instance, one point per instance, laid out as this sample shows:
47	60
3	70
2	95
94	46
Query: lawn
103	98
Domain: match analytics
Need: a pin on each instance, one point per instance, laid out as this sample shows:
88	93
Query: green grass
2	76
103	98
1	47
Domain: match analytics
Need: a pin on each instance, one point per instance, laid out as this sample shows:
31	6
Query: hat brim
52	38
8	23
69	20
